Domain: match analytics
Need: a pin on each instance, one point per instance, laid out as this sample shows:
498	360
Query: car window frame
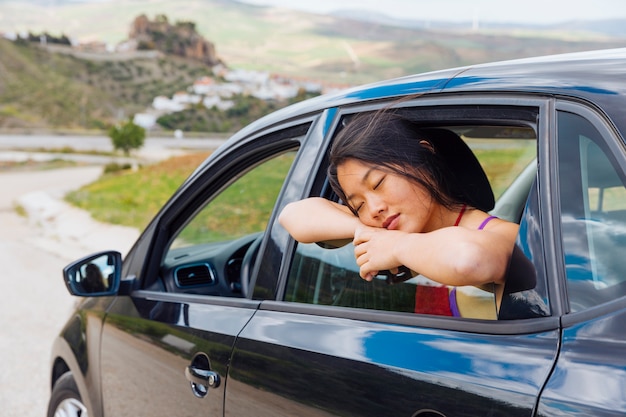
277	242
518	101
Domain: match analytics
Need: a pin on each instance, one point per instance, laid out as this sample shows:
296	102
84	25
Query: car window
329	276
243	208
205	255
593	214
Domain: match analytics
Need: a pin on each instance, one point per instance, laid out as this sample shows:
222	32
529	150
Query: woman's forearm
457	256
316	219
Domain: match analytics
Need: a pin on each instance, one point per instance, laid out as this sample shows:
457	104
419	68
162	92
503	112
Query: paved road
153	149
34	302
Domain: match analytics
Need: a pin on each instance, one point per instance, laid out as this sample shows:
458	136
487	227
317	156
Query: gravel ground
33	251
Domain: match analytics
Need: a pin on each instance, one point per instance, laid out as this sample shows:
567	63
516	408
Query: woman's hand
450	255
374	250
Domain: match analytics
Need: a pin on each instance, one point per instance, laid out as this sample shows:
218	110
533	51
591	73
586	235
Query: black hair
394	144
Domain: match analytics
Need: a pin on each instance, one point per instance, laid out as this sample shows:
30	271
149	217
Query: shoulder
482	221
500	226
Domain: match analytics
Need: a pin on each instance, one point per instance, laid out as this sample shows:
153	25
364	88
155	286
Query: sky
500	11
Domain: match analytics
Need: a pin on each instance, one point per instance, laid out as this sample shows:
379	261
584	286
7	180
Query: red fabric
432	300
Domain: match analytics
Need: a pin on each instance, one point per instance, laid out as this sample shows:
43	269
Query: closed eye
379	182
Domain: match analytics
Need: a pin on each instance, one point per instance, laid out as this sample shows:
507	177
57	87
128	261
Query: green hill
43	89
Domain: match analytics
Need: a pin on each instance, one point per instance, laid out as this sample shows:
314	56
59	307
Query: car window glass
206	254
241	209
329	276
593	215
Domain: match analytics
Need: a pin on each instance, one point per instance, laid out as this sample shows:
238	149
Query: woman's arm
317	219
451	255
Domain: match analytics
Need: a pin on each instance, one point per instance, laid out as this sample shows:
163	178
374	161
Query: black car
217	311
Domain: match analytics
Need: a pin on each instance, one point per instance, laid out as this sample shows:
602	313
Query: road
155	148
35	303
33	251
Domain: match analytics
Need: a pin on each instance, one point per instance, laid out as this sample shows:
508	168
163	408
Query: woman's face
384	199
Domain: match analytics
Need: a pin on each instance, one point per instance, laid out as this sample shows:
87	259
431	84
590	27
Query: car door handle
202	376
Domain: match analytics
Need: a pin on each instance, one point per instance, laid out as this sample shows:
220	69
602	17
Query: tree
127	136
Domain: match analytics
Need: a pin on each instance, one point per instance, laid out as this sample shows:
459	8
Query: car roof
597	77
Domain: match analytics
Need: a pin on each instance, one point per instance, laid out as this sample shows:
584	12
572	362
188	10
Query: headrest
469	174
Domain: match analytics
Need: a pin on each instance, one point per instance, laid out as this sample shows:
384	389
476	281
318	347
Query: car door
333	344
166	345
590	375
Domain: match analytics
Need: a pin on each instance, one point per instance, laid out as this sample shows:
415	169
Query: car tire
65	399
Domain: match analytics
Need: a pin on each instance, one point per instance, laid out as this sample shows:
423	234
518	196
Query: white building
247	77
216	101
145	120
165	104
186	98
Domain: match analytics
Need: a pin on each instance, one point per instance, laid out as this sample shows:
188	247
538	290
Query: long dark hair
394	144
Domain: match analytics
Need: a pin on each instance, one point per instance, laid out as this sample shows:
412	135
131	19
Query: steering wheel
247	265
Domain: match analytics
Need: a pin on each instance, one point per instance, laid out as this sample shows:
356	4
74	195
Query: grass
503	165
243	208
132	198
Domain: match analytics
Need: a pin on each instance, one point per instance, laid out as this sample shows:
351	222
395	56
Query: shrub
115	167
127	136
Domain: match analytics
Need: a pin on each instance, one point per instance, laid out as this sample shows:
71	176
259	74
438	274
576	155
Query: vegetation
132	198
44	89
201	119
232	214
503	165
48	38
246	110
127	136
95	94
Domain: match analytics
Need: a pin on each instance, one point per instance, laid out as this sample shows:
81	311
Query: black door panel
147	344
590	376
335	366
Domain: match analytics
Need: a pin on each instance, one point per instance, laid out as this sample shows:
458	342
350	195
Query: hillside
41	89
50	88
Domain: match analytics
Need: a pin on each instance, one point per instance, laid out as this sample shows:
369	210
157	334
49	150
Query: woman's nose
376	207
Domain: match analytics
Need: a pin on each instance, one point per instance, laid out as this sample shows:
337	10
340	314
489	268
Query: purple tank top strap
454	307
484	223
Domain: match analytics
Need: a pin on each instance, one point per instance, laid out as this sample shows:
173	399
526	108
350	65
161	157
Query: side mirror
96	275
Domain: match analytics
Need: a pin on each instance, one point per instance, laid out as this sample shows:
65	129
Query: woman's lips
391	223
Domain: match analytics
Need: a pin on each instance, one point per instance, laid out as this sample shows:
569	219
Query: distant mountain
612	28
344	48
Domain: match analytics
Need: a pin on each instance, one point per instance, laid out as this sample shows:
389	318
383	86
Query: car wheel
65	399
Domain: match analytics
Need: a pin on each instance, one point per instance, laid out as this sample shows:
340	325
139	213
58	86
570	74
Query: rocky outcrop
180	39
